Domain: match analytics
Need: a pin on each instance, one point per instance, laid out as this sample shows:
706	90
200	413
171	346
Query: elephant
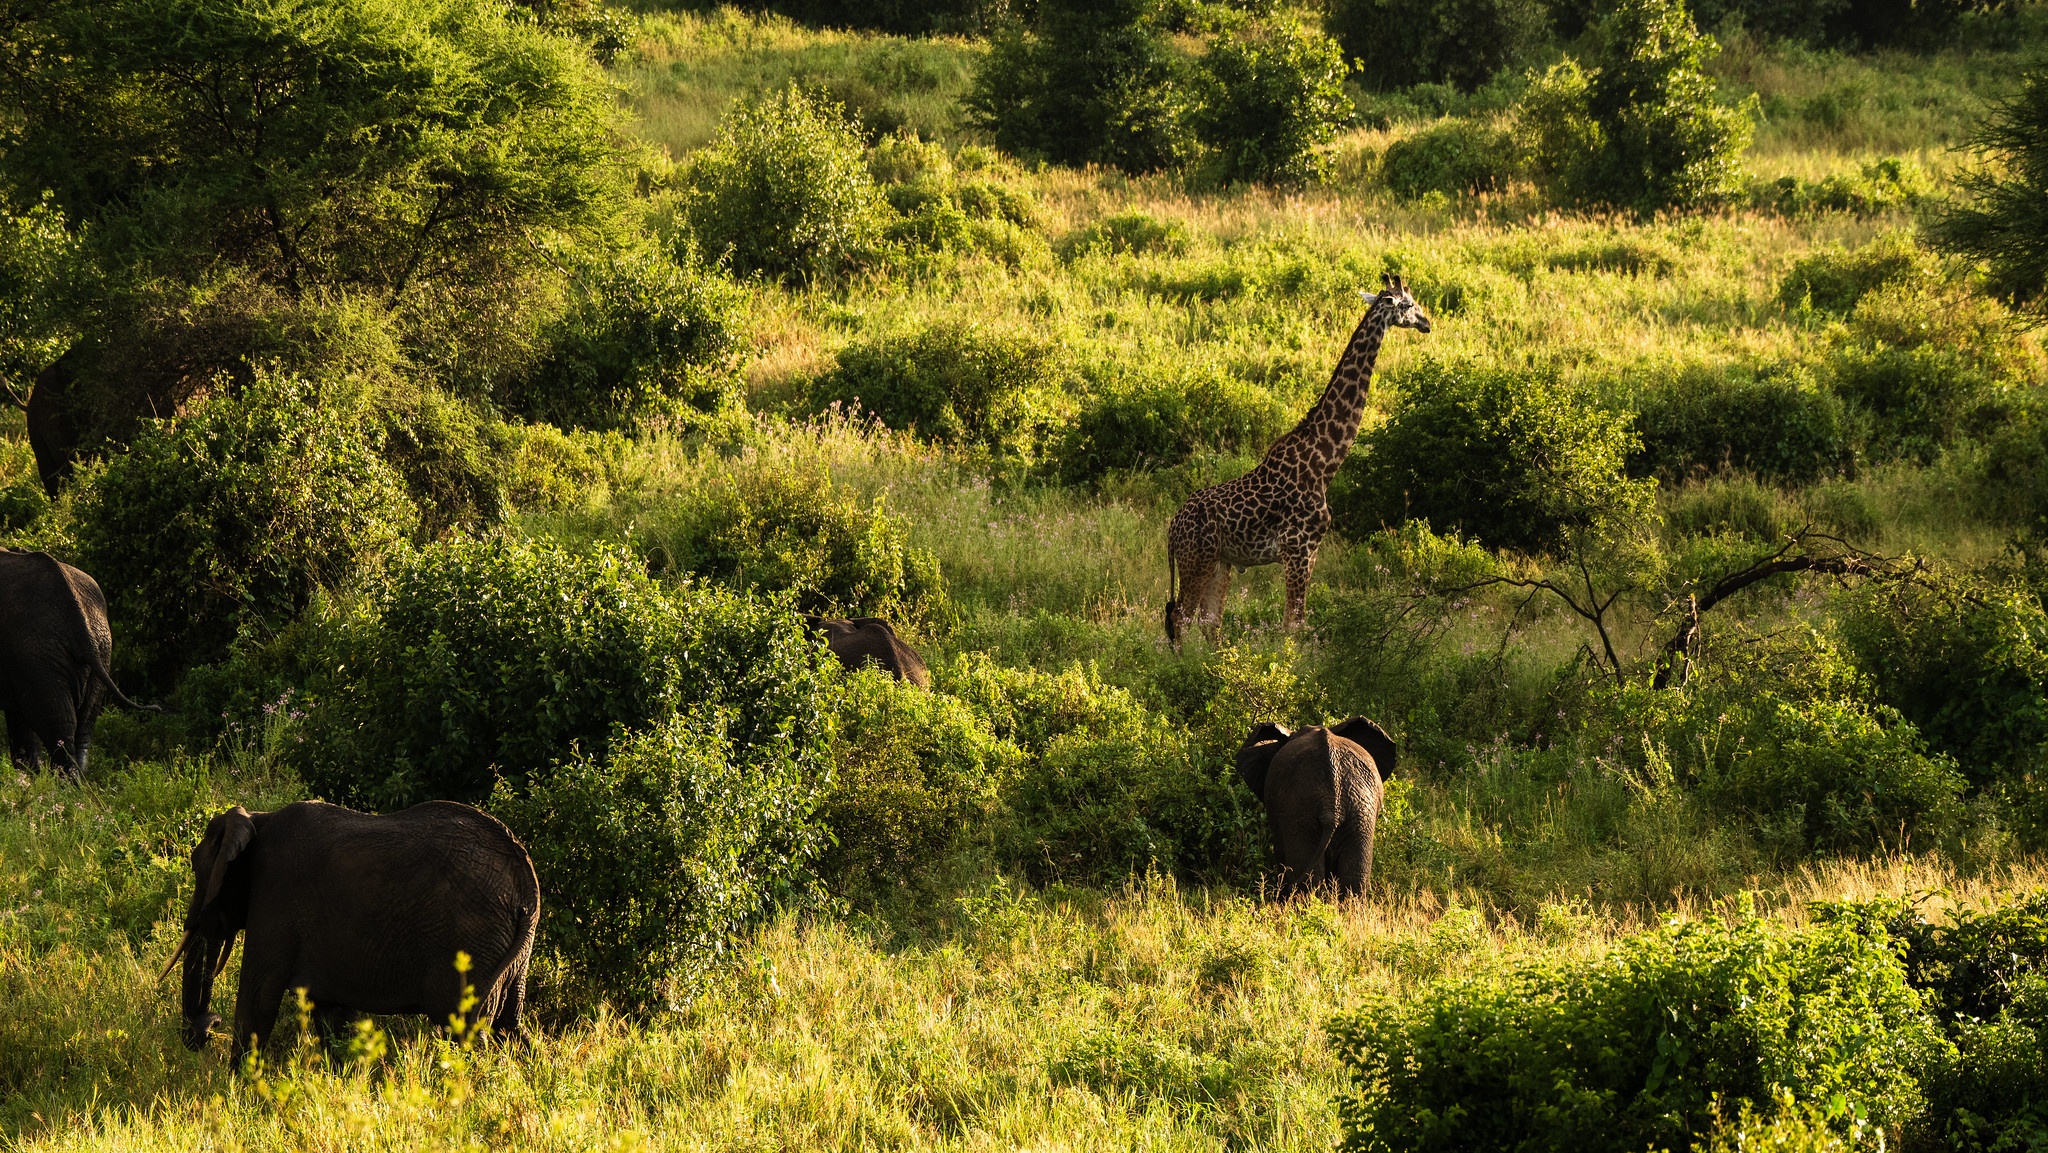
54	649
1322	790
364	912
861	640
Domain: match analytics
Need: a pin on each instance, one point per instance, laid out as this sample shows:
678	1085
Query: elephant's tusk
225	950
183	944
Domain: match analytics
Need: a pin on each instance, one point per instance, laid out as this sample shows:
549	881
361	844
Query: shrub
2002	215
230	518
917	781
1455	158
789	529
640	338
1773	420
1157	424
1462	43
1126	233
953	383
479	660
1885	185
1643	128
1834	280
1089	82
1639	1049
1971	968
1968	666
1516	460
1274	96
783	190
1995	1094
654	858
452	457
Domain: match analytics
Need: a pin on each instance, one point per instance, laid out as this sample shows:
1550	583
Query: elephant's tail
92	648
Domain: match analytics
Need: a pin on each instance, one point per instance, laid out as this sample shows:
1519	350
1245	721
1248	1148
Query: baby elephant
366	913
862	640
1322	790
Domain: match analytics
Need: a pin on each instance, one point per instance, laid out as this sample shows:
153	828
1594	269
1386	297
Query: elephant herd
365	912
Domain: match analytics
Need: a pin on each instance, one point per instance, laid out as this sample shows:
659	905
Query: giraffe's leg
1195	570
1299	565
1212	604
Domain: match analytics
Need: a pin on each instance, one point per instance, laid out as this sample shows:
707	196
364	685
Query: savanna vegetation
461	400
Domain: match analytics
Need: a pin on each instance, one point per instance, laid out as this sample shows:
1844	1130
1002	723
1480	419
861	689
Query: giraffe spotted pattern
1278	512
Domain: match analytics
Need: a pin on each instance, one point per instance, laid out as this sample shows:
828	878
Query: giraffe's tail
1172	597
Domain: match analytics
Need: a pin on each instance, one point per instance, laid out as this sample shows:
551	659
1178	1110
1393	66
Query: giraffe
1277	511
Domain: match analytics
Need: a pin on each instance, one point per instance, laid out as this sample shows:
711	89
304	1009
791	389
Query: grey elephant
864	640
1322	788
54	649
366	913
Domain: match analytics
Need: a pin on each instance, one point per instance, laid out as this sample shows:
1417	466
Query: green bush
2003	212
1455	158
1125	233
917	781
1088	82
1968	666
1274	97
639	338
1833	280
1885	185
1157	423
474	661
654	858
783	190
787	529
1461	43
1643	1047
1926	366
955	384
1643	128
1773	420
451	455
1994	1097
1515	459
230	518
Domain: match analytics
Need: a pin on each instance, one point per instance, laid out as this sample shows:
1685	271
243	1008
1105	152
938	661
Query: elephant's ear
235	829
1255	756
1373	739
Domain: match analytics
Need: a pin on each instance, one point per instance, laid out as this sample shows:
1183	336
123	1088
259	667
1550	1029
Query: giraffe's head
1394	296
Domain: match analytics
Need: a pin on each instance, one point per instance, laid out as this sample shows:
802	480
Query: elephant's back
1357	775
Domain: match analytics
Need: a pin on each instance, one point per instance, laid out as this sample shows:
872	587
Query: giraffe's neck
1317	446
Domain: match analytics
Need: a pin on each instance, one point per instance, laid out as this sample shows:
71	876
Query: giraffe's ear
1386	280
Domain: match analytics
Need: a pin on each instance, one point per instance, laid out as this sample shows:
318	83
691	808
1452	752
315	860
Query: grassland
1001	1015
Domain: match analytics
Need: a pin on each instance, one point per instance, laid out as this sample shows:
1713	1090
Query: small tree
784	190
1089	82
1643	129
2003	218
1463	43
1275	95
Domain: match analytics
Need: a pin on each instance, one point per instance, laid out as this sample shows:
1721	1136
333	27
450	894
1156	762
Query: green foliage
1461	43
1088	82
1967	665
1774	420
230	519
1274	98
2002	217
953	383
1641	1048
34	249
1926	365
1455	158
640	339
1882	186
478	660
784	190
1643	128
917	783
1995	1095
654	858
1834	281
789	529
1515	459
359	144
1152	423
1125	233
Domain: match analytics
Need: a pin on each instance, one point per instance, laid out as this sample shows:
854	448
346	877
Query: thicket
2001	219
1460	43
954	383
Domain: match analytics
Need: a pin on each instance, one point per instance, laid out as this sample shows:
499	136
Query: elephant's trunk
205	957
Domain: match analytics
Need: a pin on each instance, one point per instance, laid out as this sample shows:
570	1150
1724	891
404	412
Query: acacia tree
2003	217
223	161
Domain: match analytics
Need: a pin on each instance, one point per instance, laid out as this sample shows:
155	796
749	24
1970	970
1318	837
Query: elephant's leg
257	1001
1303	843
53	715
1350	859
22	745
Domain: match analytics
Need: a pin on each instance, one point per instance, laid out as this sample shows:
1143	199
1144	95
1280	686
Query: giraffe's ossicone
1279	511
